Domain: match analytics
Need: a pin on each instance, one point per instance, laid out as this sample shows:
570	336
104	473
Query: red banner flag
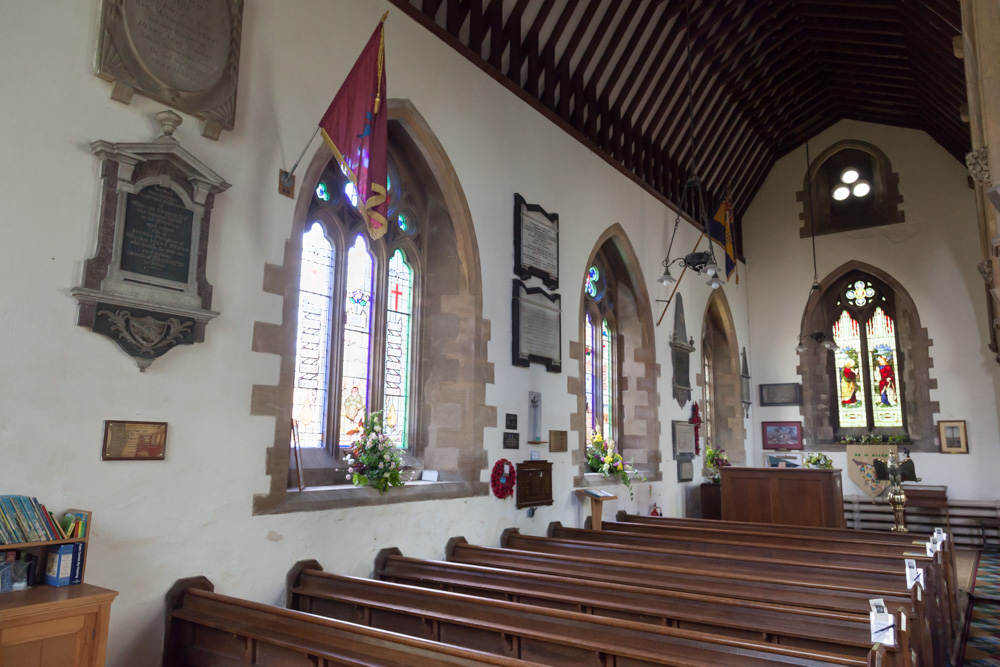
356	130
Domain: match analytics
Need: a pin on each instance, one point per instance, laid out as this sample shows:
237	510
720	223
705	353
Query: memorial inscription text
157	236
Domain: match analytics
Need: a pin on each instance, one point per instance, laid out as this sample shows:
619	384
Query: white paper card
914	575
930	549
882	625
429	475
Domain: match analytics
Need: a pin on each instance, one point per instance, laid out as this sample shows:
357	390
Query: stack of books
25	520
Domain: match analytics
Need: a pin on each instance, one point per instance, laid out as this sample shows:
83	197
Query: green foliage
818	460
715	459
374	459
602	457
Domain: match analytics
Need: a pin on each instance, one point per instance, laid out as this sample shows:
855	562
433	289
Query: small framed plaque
511	440
536	243
558	441
134	441
788	393
683	439
685	470
537	327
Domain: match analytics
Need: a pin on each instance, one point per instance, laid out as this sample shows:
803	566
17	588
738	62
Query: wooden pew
874	582
833	632
867	580
207	629
855	541
550	636
774	589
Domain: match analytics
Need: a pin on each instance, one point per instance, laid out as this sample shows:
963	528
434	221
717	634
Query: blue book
59	566
76	575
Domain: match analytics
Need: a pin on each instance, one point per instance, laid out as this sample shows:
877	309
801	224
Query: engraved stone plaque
184	53
146	288
156	239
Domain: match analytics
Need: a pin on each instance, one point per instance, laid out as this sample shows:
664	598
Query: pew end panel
453	543
506	535
382	557
175	600
621	516
553	527
294	576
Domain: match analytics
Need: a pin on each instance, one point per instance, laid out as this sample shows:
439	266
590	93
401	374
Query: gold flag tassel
381	62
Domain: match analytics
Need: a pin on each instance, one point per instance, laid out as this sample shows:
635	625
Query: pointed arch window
868	390
355	341
601	363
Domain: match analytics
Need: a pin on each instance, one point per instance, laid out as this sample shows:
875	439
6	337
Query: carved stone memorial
145	288
680	352
185	53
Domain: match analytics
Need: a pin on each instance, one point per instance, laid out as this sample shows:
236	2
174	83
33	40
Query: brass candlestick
897	498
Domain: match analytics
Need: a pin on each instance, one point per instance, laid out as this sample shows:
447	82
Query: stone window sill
348	495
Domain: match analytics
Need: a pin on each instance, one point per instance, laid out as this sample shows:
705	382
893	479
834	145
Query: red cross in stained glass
396	292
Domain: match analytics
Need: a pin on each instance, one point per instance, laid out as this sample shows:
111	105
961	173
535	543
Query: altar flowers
602	458
374	459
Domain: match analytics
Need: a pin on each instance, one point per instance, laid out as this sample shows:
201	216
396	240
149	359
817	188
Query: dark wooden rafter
767	76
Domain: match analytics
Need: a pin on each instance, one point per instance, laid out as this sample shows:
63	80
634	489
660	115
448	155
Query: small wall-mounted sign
558	441
511	422
511	440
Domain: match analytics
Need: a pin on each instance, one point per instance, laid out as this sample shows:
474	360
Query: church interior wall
192	513
932	254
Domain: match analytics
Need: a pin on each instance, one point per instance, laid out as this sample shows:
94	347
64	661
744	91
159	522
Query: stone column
980	48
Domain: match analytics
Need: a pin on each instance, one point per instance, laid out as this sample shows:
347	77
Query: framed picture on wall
783	460
788	393
953	437
781	435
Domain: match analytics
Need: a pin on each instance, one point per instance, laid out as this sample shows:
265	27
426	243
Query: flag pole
286	176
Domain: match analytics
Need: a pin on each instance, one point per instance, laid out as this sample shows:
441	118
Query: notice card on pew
882	625
914	575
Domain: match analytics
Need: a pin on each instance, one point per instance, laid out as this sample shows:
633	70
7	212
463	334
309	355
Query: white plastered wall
933	255
191	514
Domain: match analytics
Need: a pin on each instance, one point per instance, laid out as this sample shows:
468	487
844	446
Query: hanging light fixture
818	336
693	201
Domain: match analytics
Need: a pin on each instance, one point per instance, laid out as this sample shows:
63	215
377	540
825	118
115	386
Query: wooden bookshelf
40	549
55	625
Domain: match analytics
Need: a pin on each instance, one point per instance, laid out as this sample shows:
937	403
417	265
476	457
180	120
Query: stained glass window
397	347
322	192
867	372
850	373
312	341
357	339
860	293
882	352
588	364
591	283
607	384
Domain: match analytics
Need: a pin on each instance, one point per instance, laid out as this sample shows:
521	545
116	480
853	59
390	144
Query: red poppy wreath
502	482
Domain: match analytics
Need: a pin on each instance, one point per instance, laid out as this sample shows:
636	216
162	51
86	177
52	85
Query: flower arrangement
602	457
818	460
374	458
715	459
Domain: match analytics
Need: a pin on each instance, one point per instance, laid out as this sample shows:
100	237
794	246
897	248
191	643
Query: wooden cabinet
534	483
790	496
711	501
47	626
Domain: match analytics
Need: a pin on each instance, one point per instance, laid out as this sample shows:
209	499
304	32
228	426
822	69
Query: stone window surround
884	197
728	428
818	407
643	445
455	448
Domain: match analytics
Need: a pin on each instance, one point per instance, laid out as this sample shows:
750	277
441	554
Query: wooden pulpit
790	496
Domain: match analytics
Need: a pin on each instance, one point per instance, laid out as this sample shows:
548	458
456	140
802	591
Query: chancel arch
616	387
722	402
434	382
877	382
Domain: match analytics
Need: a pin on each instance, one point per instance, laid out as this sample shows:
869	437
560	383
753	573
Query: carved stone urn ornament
978	162
145	288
